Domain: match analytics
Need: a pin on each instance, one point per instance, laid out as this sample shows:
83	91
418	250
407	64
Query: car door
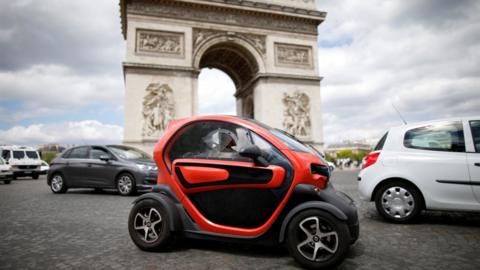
436	159
224	187
75	167
473	156
100	173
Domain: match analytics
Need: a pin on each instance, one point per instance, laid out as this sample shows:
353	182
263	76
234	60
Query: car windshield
18	154
130	153
291	142
32	154
288	139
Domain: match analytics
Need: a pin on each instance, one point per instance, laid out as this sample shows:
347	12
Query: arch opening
216	92
239	64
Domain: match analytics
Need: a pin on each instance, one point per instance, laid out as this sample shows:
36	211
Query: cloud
215	93
82	35
82	132
421	56
43	90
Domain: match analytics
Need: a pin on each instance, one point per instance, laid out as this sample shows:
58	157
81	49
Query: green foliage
48	156
360	155
348	153
344	153
329	157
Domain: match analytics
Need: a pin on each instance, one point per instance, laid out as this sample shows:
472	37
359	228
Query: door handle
477	164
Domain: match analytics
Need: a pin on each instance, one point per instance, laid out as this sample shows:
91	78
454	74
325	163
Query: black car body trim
468	183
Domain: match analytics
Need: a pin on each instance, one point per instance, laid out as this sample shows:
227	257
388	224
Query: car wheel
35	176
126	184
398	202
6	182
317	240
57	184
148	226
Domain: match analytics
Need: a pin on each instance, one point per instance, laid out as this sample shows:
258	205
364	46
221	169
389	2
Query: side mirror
254	152
104	157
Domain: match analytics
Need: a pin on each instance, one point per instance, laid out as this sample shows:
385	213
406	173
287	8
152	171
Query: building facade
268	48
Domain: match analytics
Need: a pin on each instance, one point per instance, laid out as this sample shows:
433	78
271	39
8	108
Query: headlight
144	167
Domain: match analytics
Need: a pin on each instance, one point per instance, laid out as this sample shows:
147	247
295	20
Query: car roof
16	147
434	121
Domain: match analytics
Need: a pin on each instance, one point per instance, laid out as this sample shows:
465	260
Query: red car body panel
301	163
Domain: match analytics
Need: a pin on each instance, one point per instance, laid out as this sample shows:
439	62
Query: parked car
44	167
433	165
5	173
231	179
23	160
331	166
95	166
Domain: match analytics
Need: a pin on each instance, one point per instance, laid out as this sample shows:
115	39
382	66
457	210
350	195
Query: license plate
28	171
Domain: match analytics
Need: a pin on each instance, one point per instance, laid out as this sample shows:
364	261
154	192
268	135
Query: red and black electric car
228	178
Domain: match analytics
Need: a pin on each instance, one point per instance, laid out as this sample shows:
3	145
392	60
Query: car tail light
370	159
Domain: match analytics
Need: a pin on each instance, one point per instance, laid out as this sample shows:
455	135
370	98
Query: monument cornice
241	92
231	12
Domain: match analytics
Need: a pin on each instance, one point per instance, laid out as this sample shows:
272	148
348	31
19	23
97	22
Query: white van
23	161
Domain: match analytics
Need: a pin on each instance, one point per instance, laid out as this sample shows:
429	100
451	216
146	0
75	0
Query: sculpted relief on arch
202	35
296	114
159	42
158	109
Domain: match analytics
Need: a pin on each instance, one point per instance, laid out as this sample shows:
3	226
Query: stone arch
241	60
268	49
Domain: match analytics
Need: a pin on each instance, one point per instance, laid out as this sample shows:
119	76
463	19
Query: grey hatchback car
124	168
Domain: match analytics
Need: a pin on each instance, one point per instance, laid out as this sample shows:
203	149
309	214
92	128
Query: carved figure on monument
296	114
158	109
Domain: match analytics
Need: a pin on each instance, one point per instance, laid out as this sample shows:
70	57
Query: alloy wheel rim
125	184
57	183
145	224
320	239
398	202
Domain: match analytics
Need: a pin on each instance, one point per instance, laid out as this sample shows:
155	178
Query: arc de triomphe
268	48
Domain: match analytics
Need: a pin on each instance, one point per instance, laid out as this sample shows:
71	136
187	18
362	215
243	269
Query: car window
95	153
6	154
32	154
439	137
18	154
381	143
79	152
210	140
270	153
128	152
475	126
290	141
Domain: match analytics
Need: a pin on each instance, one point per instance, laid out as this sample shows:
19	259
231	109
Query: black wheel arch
169	206
52	174
327	207
123	171
397	179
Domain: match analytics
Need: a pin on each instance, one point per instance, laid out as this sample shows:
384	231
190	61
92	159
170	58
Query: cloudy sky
61	78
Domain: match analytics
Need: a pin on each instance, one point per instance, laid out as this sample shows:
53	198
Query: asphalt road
85	229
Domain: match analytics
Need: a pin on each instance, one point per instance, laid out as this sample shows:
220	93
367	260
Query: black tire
338	245
35	176
58	184
147	219
394	196
14	177
6	182
121	188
